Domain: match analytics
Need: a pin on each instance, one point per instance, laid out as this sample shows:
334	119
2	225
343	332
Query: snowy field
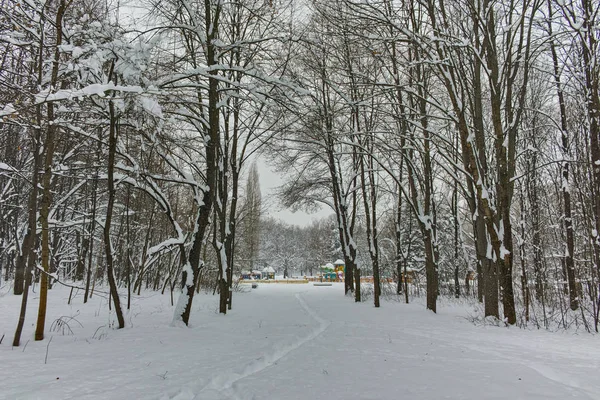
287	342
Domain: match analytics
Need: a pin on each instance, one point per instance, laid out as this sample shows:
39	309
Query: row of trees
125	148
482	112
445	136
477	118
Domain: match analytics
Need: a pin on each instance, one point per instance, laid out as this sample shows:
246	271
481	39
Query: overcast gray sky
269	181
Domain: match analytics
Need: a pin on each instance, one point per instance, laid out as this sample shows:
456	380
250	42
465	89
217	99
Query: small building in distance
268	273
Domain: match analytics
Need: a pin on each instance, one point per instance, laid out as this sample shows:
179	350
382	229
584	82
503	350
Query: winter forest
454	141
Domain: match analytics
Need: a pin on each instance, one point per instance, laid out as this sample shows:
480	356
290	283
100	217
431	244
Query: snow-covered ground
287	342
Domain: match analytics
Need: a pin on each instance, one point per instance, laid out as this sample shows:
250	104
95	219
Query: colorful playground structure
330	272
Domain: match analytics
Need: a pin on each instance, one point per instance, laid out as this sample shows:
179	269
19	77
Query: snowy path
412	354
222	385
290	342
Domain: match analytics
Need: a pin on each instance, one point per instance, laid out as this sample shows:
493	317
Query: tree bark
191	269
108	249
49	148
566	193
32	215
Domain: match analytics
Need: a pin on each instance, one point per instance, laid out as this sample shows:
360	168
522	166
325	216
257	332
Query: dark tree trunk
32	205
490	289
223	295
193	265
524	282
90	259
456	236
357	297
108	250
25	250
566	194
50	144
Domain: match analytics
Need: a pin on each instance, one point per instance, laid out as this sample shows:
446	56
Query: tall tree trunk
399	255
89	271
49	148
566	189
357	294
370	196
344	224
108	248
479	168
32	221
591	66
192	265
524	280
456	230
21	262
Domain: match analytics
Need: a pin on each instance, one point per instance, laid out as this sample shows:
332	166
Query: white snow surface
286	342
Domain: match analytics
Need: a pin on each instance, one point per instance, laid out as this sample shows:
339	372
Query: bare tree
251	218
